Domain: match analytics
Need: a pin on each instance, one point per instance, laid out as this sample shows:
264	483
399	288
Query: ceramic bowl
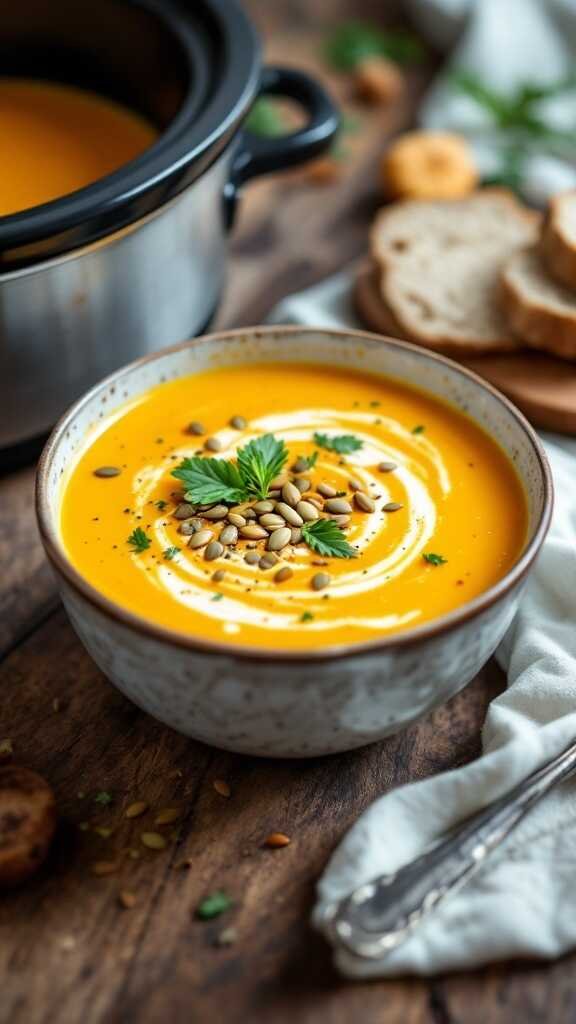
291	703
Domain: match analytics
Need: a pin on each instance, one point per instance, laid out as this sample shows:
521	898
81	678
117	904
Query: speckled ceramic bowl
294	704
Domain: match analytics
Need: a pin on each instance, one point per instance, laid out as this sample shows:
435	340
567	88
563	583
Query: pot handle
259	155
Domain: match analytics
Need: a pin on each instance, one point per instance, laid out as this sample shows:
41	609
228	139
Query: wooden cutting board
543	387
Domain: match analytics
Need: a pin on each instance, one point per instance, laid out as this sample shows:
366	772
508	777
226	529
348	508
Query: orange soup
291	506
55	139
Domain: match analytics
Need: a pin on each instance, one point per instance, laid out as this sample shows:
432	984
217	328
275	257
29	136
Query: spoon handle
378	916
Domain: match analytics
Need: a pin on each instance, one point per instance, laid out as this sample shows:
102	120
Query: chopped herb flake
433	559
161	505
306	617
170	553
217	597
310	460
344	444
103	798
419	429
138	540
213	906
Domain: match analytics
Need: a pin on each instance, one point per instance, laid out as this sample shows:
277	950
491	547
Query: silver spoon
379	915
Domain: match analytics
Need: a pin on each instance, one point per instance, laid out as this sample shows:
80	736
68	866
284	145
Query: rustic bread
440	263
370	305
558	242
540	311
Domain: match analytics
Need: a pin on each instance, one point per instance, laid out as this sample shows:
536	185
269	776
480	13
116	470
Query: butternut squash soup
291	506
55	139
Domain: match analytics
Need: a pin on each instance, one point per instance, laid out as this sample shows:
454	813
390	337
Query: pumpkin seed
167	816
278	481
107	471
283	574
326	490
341	521
214	550
279	539
320	581
127	899
103	867
354	484
249	513
195	428
272	521
291	515
236	519
229	535
238	423
153	841
261	507
190	526
290	494
387	467
219	575
392	506
295	535
253	532
302	484
300	466
268	561
252	557
307	510
364	502
136	809
200	539
276	840
338	505
217	512
212	444
184	511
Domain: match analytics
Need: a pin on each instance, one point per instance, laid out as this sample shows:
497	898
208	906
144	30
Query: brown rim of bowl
392	642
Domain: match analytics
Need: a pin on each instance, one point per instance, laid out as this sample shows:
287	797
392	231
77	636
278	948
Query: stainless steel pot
138	261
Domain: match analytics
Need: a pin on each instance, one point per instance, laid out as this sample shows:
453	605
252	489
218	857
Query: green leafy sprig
209	480
355	41
327	539
344	444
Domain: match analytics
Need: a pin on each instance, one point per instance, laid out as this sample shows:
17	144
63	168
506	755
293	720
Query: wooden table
68	951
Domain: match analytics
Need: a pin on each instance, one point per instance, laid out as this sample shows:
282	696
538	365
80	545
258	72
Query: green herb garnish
138	540
419	429
170	553
306	617
344	444
103	798
160	504
217	597
355	41
213	906
210	480
327	539
266	119
433	559
310	460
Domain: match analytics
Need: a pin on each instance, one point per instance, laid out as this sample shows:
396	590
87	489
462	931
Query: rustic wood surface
69	952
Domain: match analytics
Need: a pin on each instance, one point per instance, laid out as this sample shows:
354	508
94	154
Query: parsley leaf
326	538
306	617
161	504
259	462
354	41
138	540
171	553
210	480
344	444
217	597
433	559
213	906
310	460
419	429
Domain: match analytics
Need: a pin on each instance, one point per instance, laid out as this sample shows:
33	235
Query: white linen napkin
505	44
522	902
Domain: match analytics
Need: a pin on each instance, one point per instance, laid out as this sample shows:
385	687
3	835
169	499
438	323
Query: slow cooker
137	260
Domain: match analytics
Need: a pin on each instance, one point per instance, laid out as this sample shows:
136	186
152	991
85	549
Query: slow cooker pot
137	260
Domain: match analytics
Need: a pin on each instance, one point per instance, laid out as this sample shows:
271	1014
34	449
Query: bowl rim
389	643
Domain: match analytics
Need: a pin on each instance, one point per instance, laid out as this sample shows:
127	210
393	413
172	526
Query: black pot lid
211	53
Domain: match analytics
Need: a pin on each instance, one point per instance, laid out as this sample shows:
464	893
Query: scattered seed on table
153	841
392	506
268	561
279	539
167	816
261	507
212	444
320	581
387	467
107	471
302	484
252	557
219	575
291	515
290	494
104	867
227	937
222	788
200	539
283	574
216	512
238	423
364	502
136	809
338	505
354	484
184	511
229	535
307	511
326	490
236	519
213	906
276	840
127	899
253	532
214	550
195	428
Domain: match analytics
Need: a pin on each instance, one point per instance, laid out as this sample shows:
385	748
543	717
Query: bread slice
440	263
540	311
558	242
370	306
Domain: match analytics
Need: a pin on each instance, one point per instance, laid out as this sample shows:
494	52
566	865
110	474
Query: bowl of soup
287	541
121	153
